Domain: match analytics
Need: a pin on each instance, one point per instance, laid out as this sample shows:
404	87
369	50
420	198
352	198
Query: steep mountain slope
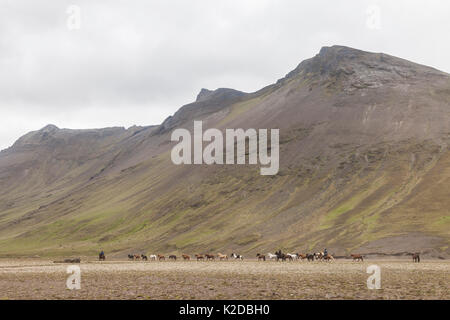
364	165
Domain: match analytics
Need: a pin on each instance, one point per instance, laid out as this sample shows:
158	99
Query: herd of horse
278	256
198	257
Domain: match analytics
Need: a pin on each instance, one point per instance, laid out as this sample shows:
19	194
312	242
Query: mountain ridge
364	166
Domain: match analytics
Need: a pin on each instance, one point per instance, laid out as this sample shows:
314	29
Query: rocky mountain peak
49	128
203	95
356	69
220	93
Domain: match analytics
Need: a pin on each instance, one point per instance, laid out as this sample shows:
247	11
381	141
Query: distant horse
161	257
186	257
328	258
199	257
153	257
261	257
281	256
301	256
237	256
357	257
137	257
144	257
416	257
310	256
318	255
173	257
222	256
210	257
271	256
101	256
131	257
292	256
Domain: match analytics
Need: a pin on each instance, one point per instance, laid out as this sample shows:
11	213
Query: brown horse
301	256
137	257
261	257
186	257
210	257
161	257
199	257
328	258
416	257
222	256
357	257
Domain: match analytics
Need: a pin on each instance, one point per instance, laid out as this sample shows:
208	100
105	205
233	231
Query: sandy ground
341	279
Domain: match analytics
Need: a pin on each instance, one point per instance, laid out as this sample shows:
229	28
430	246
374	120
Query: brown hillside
364	166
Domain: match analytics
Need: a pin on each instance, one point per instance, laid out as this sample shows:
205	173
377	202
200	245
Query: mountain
364	167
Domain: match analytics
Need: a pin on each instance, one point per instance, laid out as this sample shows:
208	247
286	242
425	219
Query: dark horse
281	256
310	256
199	257
209	257
416	257
101	256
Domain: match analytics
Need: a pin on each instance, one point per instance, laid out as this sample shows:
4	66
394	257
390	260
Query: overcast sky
136	62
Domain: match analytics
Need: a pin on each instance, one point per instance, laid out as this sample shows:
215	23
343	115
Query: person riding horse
101	255
281	256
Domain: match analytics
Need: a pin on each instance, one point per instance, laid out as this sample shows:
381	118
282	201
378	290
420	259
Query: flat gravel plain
340	279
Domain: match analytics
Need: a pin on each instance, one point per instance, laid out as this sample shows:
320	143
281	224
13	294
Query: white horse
153	257
292	255
237	256
271	256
